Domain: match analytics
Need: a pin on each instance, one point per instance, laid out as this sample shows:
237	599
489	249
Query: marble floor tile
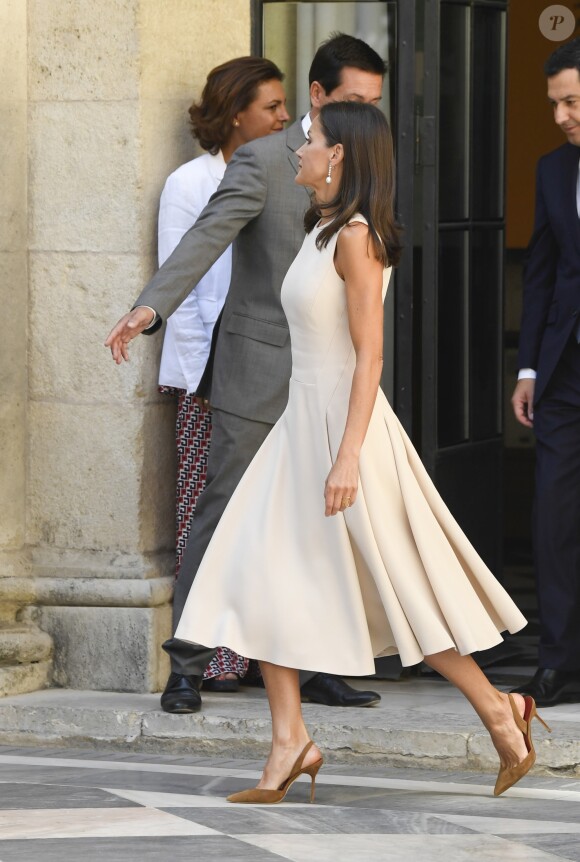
562	846
398	848
137	780
62	770
130	760
152	799
445	803
93	823
112	807
20	795
184	801
315	820
151	849
241	768
512	826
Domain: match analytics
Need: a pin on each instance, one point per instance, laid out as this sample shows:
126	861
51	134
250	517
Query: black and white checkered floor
67	805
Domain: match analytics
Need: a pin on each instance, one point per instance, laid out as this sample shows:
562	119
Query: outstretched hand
129	326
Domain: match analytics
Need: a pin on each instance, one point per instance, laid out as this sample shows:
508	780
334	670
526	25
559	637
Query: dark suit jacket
259	208
551	305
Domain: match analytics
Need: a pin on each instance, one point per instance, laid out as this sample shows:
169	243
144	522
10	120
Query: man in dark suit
259	208
547	395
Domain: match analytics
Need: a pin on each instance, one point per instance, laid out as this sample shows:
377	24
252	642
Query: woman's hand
341	485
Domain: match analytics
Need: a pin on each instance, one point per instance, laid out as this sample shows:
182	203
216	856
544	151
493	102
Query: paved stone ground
70	804
96	776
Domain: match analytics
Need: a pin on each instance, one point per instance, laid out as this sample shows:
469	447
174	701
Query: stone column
108	88
24	650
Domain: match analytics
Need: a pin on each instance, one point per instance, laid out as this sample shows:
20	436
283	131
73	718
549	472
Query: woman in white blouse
242	99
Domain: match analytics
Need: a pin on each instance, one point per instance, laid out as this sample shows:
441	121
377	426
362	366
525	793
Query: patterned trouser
193	434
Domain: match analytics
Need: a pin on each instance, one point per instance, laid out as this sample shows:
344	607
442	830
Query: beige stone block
110	649
167	144
24	678
14	563
89	465
84	476
197	35
75	300
13	57
167	89
21	644
85	179
14	304
13	176
91	563
158	485
88	592
147	350
13	473
81	50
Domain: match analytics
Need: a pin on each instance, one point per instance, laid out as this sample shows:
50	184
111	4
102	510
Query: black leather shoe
333	691
221	685
551	687
181	694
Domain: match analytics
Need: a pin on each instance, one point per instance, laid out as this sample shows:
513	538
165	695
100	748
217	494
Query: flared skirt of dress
394	573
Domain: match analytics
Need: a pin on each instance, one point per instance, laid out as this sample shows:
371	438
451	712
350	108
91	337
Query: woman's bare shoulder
353	237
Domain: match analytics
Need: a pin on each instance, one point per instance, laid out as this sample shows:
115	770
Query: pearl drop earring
329	176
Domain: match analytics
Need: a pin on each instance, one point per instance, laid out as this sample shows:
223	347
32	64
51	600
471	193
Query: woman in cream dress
336	547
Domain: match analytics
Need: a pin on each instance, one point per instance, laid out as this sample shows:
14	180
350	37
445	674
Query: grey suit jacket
260	208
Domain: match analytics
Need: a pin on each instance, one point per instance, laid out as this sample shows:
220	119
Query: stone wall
25	651
99	93
13	285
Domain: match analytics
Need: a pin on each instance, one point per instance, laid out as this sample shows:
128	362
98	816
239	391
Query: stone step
418	723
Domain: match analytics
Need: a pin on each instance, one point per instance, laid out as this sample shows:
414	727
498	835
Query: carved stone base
25	658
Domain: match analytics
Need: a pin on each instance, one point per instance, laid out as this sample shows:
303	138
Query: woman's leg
289	733
491	705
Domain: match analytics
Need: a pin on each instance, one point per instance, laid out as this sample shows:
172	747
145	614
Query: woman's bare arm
363	275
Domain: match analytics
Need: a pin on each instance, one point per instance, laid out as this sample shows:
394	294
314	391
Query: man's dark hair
341	50
567	56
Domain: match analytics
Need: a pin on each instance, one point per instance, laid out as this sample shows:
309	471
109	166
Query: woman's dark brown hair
367	184
229	88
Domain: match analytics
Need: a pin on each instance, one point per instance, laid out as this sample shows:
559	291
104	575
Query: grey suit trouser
234	442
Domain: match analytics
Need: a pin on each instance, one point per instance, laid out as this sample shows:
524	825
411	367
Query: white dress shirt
188	335
530	373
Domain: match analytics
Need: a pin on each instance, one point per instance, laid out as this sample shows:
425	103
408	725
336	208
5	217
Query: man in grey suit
259	208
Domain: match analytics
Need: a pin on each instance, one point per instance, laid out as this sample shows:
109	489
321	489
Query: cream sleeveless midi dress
394	573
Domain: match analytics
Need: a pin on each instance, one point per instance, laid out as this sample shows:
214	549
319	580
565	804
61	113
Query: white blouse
188	334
